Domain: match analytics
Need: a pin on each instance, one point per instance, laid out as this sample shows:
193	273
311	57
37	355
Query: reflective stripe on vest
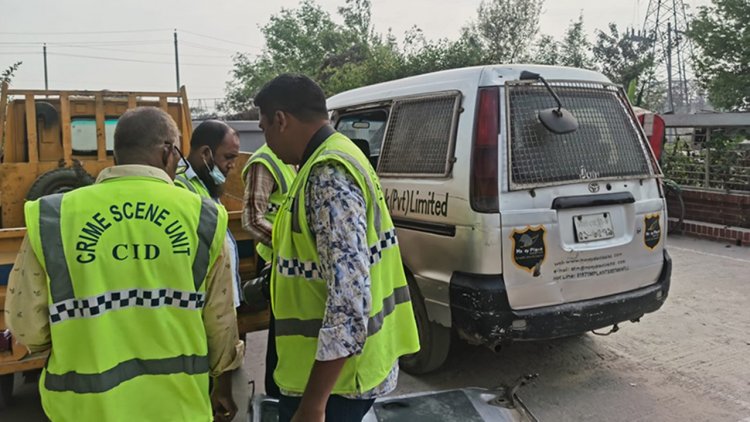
61	287
65	306
309	269
279	175
107	380
311	327
187	184
283	176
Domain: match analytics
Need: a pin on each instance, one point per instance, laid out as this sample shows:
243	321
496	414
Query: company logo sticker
652	230
529	248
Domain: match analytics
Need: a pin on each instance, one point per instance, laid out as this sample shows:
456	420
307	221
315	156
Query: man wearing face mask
214	148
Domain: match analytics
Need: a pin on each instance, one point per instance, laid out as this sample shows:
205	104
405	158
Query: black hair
295	94
211	133
140	130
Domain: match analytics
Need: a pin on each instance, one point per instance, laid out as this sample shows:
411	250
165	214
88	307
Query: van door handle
582	201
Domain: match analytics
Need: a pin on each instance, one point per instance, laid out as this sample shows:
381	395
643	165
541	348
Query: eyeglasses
183	165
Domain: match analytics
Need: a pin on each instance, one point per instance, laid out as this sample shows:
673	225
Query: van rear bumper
481	313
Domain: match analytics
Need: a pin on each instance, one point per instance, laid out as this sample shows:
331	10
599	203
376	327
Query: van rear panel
581	213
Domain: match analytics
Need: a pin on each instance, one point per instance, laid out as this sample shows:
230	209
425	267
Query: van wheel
59	180
434	339
6	390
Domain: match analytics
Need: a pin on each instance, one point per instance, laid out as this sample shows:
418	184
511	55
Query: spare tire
59	180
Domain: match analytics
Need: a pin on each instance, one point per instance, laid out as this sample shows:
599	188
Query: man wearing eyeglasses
214	148
125	281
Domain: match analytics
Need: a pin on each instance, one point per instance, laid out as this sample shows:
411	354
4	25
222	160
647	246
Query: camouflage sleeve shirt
337	216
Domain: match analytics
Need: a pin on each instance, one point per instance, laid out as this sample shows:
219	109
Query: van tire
434	339
59	180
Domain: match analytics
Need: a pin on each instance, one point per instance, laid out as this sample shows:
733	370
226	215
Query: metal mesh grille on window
418	136
605	145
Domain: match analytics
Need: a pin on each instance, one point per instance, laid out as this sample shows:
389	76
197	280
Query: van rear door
582	215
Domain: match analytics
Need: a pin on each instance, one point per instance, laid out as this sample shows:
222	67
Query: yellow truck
56	141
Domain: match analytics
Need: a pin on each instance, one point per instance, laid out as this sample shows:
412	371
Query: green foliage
302	40
728	162
341	57
632	89
574	50
547	51
722	34
625	57
8	73
350	54
504	29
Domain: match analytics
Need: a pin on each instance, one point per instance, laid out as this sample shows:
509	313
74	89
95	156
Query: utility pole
176	61
44	51
670	94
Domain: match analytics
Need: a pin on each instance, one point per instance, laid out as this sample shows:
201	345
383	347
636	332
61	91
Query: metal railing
719	164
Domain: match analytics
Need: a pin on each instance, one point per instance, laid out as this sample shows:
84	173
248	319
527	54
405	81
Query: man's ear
282	120
166	155
205	151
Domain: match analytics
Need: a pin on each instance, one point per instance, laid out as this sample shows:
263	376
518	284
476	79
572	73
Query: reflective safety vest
298	293
193	185
126	262
283	175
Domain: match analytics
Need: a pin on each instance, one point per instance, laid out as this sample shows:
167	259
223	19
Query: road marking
746	261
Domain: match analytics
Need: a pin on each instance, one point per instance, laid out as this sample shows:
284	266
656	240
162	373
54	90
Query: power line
101	43
120	59
219	39
206	47
86	32
142	52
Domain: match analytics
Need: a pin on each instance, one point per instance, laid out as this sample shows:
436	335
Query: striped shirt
258	188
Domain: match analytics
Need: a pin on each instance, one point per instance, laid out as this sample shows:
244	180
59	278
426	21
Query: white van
519	216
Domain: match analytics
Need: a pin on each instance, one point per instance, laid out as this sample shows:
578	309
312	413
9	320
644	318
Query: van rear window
606	144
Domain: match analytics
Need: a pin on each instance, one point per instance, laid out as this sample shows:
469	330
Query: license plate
593	227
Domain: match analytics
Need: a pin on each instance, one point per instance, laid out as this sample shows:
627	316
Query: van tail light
484	170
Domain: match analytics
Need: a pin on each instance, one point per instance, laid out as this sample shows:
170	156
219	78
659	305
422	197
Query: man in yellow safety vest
126	281
338	288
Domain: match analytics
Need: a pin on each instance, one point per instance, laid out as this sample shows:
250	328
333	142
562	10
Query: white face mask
215	173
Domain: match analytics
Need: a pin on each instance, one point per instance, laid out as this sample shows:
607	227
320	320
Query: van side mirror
556	120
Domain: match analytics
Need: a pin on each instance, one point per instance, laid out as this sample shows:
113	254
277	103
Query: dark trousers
338	409
271	356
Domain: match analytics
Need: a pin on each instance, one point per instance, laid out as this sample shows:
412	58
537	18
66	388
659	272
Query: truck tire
6	390
434	339
59	180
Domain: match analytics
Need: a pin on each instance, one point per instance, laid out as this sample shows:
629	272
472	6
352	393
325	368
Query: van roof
454	79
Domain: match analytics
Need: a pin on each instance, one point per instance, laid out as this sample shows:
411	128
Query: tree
8	73
504	29
722	34
349	55
626	57
576	49
297	40
547	51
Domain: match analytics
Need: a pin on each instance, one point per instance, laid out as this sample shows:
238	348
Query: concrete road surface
690	361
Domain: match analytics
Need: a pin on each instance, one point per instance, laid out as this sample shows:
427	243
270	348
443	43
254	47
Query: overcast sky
128	45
